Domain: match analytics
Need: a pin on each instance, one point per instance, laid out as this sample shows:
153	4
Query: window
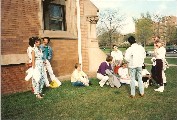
54	16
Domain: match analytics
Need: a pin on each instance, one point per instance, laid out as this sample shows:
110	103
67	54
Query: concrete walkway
168	64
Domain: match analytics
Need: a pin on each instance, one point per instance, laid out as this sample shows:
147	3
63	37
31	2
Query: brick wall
12	79
65	56
19	21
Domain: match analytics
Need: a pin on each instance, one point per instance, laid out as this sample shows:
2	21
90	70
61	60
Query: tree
110	21
144	28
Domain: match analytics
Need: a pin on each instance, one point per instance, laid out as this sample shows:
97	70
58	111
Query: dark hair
109	58
131	40
114	45
47	39
32	41
77	65
37	39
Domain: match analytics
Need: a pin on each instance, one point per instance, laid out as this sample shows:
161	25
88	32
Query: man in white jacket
135	55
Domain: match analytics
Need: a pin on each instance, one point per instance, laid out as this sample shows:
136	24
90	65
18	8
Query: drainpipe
79	32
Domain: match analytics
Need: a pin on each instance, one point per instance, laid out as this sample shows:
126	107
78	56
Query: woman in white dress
39	74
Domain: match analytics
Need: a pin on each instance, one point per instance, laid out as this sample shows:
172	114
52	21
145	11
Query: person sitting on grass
78	77
124	75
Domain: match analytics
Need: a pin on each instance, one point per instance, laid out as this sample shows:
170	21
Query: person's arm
121	58
128	55
50	53
113	60
103	68
33	59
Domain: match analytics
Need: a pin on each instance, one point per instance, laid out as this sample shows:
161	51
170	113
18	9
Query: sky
134	8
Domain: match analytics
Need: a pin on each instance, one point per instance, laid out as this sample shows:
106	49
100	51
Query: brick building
56	19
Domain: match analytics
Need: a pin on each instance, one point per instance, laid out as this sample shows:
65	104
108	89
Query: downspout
79	32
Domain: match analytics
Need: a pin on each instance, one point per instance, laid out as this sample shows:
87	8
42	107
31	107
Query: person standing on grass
47	56
78	77
39	74
117	59
101	73
159	53
135	55
29	53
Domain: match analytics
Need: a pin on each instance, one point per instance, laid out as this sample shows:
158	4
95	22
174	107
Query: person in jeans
135	55
101	73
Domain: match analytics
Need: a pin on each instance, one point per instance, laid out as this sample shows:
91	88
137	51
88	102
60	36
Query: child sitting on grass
78	77
124	75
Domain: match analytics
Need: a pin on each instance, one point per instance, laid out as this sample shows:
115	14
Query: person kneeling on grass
78	77
105	74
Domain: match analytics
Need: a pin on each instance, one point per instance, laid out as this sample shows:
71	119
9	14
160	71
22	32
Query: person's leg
164	77
35	86
102	79
159	67
46	81
132	82
78	83
50	70
140	82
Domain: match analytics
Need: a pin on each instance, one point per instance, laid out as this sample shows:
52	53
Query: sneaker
160	89
132	96
142	95
86	84
107	83
101	85
39	96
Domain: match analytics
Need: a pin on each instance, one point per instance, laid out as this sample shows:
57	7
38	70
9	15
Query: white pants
163	76
102	78
50	71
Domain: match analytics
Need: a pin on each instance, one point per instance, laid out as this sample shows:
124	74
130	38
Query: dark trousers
158	71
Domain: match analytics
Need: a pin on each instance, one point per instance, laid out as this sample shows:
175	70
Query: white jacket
135	55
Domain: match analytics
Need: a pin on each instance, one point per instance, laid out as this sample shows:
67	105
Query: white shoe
101	85
107	83
160	89
86	84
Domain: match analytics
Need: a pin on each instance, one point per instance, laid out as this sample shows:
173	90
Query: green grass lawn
94	103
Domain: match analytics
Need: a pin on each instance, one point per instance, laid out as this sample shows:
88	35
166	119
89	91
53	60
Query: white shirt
160	53
123	72
117	55
135	55
29	52
77	75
